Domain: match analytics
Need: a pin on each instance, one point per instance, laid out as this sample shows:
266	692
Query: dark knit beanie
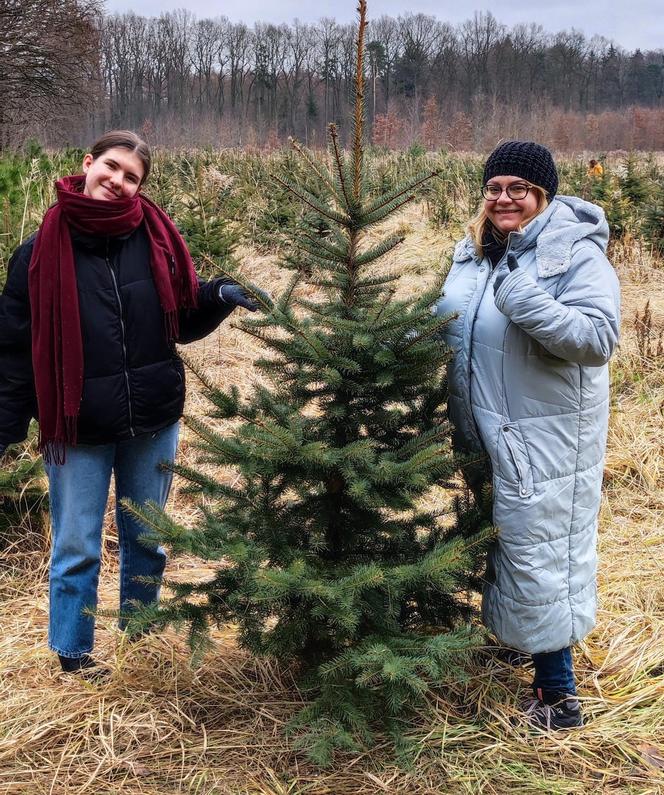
524	159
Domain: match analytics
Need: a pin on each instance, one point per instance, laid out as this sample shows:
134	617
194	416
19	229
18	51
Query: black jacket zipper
124	342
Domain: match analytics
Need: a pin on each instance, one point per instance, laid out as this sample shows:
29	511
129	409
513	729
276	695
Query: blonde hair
478	223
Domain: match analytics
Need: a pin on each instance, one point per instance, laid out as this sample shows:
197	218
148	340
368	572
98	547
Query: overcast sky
630	23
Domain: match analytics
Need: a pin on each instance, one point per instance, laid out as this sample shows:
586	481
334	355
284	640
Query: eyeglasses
517	190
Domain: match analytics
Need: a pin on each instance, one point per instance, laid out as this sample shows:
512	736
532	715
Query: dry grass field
158	726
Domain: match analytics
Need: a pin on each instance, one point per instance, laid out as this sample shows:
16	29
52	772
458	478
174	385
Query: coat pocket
517	454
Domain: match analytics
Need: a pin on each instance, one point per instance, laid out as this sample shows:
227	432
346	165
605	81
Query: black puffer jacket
133	378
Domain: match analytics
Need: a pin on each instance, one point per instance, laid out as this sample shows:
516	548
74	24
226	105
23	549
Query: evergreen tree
330	556
653	222
633	184
23	502
202	217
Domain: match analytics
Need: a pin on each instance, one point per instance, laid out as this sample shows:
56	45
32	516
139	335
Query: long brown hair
478	223
126	139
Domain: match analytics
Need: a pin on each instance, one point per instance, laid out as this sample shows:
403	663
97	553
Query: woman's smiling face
506	214
116	174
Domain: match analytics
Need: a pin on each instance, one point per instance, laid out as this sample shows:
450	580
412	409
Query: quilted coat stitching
565	240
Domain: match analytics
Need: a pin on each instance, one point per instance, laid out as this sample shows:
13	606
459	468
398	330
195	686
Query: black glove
231	293
512	264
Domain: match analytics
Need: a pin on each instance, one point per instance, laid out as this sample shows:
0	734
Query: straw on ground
159	727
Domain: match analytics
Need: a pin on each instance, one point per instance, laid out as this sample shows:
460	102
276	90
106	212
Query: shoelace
539	711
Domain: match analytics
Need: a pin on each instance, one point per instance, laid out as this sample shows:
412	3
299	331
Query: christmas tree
201	214
329	556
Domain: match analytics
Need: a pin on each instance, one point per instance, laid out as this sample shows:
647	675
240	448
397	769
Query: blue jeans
78	495
554	673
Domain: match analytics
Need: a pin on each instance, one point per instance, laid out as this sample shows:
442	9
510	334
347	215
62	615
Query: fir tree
23	502
653	222
203	218
633	184
329	557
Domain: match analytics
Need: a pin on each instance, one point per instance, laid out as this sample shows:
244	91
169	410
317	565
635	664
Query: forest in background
70	72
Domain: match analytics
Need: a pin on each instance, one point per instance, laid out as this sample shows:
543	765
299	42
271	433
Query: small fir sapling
23	498
202	216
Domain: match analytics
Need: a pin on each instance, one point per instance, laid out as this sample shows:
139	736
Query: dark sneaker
564	714
85	667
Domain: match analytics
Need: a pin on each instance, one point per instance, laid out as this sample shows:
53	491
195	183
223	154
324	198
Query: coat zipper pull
520	474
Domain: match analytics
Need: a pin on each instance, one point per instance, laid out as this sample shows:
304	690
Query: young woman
537	306
89	317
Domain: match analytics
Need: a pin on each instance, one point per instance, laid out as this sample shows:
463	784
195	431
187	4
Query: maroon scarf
57	347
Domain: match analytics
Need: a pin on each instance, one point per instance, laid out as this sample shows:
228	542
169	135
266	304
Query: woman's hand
581	323
512	264
231	293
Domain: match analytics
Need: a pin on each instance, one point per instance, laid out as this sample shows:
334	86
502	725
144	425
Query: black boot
83	666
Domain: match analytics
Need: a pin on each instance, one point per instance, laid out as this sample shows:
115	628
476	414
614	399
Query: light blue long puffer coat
529	384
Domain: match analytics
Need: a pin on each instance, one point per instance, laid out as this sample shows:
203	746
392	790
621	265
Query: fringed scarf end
53	451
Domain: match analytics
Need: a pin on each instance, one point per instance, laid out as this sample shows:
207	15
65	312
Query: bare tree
209	61
328	35
479	36
385	30
239	44
50	59
419	42
198	81
176	30
269	48
299	40
157	66
124	68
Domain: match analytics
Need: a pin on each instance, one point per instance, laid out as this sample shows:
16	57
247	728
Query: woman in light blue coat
537	320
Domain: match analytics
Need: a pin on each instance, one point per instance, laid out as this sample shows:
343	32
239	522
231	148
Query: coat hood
565	222
571	221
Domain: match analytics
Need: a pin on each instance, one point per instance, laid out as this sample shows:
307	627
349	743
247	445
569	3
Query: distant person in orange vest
595	169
